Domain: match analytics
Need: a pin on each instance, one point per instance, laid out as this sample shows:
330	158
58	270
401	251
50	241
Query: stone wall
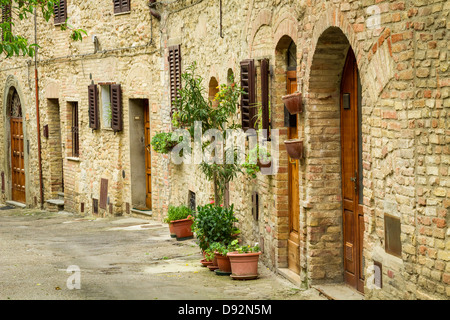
403	66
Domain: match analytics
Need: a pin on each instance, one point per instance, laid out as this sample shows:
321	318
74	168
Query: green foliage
234	246
192	106
214	224
178	213
12	44
164	142
251	163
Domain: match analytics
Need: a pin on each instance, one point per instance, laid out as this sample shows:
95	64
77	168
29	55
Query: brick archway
323	191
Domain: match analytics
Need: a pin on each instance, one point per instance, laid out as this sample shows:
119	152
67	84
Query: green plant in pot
214	224
257	158
244	260
164	142
181	219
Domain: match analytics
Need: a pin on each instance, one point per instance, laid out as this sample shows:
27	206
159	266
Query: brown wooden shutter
75	131
93	106
116	107
60	11
6	16
265	95
174	71
122	6
248	98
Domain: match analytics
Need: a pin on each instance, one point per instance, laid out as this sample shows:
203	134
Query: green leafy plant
234	246
210	252
178	213
251	165
192	106
214	224
164	142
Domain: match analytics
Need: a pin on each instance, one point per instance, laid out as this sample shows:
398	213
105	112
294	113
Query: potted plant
223	261
164	142
293	102
294	148
244	261
211	255
214	224
181	218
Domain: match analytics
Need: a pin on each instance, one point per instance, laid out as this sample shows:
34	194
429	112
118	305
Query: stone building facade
368	204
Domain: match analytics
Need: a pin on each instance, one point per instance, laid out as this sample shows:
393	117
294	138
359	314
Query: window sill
74	159
122	13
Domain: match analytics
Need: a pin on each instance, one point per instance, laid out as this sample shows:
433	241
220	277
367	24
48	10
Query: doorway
351	159
140	155
17	148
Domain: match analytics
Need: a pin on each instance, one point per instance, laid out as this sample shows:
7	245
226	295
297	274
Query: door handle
353	179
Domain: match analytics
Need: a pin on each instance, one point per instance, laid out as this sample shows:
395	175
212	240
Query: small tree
191	106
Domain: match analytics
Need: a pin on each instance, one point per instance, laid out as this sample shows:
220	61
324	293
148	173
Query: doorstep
338	291
16	204
142	212
290	275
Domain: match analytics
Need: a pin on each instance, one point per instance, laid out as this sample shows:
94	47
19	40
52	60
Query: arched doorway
286	66
16	135
333	113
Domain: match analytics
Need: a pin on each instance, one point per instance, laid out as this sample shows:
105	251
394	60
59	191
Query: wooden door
293	191
148	159
17	160
353	220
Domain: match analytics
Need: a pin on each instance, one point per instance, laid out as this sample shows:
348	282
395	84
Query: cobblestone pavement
115	258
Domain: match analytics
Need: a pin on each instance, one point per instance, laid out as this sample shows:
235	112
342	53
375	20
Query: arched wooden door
353	219
17	149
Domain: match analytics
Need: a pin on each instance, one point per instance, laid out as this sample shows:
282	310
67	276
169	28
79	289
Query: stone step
55	205
61	195
16	204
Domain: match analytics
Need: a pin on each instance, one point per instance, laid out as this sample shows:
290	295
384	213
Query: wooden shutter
174	71
122	6
265	95
6	16
60	11
248	98
116	107
93	106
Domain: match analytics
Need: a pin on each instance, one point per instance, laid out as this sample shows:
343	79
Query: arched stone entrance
333	173
15	142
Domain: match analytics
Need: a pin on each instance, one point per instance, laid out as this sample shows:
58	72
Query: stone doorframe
13	83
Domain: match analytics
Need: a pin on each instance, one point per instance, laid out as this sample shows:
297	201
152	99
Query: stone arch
323	192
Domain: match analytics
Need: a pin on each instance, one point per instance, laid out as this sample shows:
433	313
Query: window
105	91
60	11
6	17
75	131
122	6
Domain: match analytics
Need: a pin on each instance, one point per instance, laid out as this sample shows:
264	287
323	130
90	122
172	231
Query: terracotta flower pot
213	266
171	230
244	266
224	263
182	229
294	148
293	102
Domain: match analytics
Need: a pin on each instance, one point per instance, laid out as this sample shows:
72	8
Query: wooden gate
17	150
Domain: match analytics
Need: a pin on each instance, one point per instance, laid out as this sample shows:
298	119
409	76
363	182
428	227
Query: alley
46	255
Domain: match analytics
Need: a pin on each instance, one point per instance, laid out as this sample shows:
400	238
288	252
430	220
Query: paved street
115	258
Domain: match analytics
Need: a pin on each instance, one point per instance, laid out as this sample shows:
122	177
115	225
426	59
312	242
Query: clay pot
171	230
205	263
182	229
224	263
293	102
294	148
244	266
213	266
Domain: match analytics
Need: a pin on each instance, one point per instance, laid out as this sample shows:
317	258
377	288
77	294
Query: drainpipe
41	187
